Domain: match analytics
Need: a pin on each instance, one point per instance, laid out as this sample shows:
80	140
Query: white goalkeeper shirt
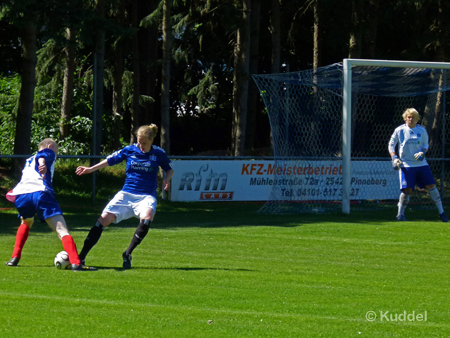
410	141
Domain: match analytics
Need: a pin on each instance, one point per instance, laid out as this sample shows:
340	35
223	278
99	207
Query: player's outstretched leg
91	239
21	238
139	235
402	204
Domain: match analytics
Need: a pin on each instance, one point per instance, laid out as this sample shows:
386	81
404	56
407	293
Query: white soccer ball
62	261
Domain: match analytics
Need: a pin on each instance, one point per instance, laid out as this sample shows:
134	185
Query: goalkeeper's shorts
410	176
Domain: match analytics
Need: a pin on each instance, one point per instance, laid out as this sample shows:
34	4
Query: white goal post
348	65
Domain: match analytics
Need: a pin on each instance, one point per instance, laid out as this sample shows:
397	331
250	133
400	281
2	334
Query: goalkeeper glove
396	162
419	156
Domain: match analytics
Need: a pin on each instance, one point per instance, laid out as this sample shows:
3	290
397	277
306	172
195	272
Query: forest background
89	73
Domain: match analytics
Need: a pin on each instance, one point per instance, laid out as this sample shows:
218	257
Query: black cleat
13	261
126	261
444	217
82	267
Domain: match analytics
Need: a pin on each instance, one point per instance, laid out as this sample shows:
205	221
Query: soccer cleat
13	261
401	218
82	267
126	261
444	217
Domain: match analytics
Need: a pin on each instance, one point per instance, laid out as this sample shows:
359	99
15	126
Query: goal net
331	127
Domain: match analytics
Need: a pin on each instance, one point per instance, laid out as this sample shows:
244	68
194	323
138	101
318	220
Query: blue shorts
410	176
41	203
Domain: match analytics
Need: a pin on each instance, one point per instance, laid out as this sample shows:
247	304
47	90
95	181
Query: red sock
21	238
71	249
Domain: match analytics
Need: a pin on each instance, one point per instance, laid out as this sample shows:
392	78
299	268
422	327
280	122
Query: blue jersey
142	168
410	141
32	180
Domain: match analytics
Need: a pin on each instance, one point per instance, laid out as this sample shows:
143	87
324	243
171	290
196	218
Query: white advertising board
214	180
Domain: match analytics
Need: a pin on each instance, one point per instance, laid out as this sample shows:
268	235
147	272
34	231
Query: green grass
252	275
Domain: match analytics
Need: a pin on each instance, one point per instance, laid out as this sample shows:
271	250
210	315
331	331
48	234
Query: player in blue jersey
138	195
34	195
412	141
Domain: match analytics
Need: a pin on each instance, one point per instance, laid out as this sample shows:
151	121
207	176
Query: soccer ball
62	261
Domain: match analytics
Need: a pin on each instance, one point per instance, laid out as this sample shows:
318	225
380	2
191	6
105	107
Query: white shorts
125	205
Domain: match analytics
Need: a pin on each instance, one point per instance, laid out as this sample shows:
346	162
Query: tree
317	35
136	116
364	26
24	16
240	80
165	82
276	43
118	66
69	69
99	59
253	94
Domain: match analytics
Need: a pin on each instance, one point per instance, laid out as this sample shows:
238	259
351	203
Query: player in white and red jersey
412	141
34	195
138	195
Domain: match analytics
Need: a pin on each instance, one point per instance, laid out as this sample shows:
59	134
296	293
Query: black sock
91	239
139	235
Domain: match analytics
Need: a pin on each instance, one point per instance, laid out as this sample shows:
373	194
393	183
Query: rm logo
194	181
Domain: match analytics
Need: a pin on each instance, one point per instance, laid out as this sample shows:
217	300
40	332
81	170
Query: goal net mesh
305	113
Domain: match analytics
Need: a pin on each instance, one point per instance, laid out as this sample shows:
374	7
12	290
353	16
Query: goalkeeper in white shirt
412	141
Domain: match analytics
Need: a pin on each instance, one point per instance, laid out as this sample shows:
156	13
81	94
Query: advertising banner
214	180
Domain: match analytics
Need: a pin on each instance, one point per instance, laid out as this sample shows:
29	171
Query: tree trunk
149	52
165	82
117	75
356	30
433	118
276	44
253	89
371	35
316	48
67	96
136	123
99	59
22	141
240	83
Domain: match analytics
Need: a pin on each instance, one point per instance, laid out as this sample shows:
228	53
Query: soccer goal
331	127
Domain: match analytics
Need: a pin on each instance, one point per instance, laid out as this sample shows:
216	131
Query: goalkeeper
412	141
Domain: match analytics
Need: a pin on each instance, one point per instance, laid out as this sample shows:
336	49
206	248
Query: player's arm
420	156
87	170
167	177
396	161
42	167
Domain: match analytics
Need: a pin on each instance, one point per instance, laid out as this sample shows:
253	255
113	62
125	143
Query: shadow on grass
171	268
178	215
134	268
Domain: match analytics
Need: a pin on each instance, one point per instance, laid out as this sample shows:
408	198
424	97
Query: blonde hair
48	142
411	111
148	131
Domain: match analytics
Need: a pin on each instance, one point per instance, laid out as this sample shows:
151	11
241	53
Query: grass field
222	270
